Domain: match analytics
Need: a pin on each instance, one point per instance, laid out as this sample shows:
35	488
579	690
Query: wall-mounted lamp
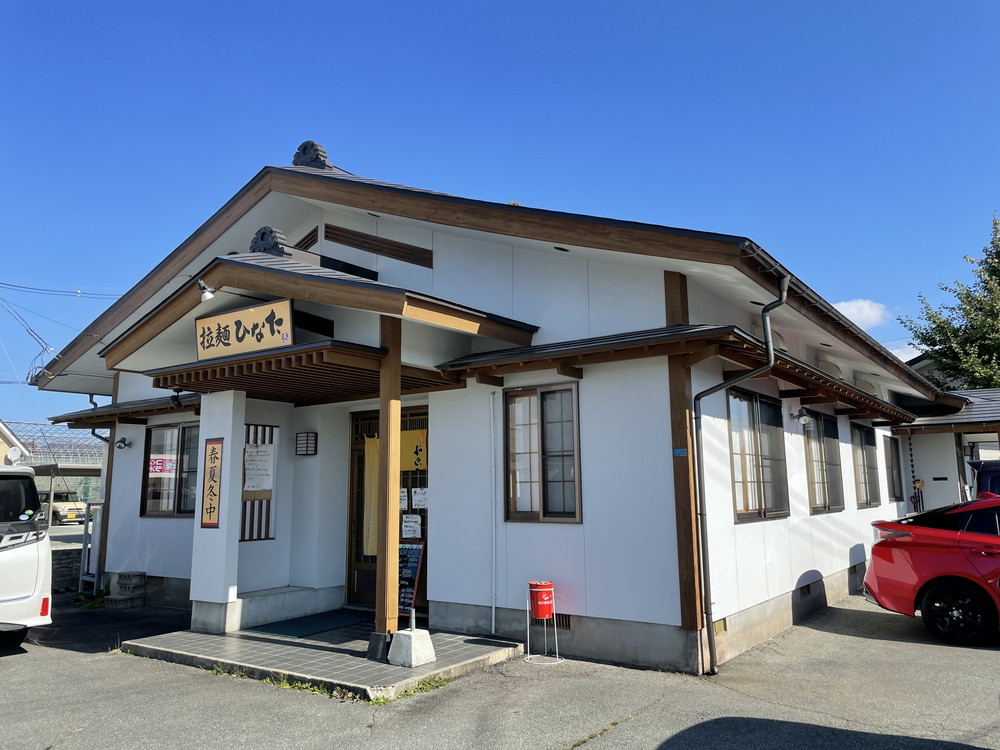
122	444
802	416
176	398
207	292
305	444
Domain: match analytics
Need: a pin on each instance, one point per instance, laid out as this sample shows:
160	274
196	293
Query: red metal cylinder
541	596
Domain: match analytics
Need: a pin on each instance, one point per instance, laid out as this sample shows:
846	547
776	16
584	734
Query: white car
25	557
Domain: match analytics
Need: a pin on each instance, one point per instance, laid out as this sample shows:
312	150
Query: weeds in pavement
237	672
424	686
599	733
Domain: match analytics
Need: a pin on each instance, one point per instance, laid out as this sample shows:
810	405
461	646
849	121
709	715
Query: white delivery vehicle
25	557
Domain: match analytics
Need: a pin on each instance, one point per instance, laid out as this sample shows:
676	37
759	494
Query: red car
945	563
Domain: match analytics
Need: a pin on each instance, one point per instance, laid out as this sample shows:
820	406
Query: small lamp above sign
305	444
207	292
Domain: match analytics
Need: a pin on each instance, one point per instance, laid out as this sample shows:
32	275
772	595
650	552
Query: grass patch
424	686
600	733
237	672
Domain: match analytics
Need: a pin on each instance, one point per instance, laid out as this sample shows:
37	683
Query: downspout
706	580
493	513
90	397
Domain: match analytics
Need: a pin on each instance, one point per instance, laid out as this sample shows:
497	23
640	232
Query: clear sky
856	142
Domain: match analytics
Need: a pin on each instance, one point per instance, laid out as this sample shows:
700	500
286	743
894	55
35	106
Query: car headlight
61	508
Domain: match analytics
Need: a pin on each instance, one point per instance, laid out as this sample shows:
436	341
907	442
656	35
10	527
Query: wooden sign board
250	329
411	556
211	489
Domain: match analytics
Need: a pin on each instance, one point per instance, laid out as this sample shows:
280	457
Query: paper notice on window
404	499
419	497
411	527
258	468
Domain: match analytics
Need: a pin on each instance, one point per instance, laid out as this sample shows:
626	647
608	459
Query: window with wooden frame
169	486
543	457
894	469
826	488
757	448
865	466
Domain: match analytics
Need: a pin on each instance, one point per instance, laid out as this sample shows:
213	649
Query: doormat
318	623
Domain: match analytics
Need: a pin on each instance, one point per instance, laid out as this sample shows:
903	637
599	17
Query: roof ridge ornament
269	240
311	154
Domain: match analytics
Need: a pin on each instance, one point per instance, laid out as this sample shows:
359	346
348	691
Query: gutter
704	574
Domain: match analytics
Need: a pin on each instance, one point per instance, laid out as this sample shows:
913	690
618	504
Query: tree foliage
963	338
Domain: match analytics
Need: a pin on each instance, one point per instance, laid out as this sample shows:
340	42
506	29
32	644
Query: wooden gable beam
826	398
466	321
483	379
799	393
569	371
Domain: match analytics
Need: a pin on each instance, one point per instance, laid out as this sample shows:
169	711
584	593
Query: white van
25	557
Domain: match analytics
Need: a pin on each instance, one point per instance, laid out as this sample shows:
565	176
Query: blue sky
856	142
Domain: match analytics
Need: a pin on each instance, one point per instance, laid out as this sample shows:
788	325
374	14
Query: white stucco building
531	377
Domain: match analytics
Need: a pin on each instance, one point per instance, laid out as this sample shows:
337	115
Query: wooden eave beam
428	311
169	268
700	355
827	398
569	371
962	429
514	221
544	226
799	392
492	380
576	360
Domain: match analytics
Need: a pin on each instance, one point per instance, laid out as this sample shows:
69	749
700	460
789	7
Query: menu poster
258	468
411	555
419	497
411	527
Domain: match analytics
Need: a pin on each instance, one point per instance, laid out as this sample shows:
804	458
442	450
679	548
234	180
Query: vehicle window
17	498
984	522
940	519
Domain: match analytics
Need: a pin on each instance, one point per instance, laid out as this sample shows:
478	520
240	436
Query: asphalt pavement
852	677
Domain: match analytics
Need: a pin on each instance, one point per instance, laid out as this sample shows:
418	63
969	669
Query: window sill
816	511
755	518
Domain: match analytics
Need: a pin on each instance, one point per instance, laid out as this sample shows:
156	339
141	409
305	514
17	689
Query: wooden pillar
681	443
387	567
109	466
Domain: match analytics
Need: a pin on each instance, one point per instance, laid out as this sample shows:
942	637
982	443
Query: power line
24	324
57	292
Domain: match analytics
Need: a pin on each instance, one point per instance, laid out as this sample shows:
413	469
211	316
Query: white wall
265	564
752	562
627	539
935	456
321	497
133	386
156	546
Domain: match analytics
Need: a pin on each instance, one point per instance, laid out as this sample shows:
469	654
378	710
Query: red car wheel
958	613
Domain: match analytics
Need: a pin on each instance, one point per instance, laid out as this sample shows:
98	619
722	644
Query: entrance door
361	567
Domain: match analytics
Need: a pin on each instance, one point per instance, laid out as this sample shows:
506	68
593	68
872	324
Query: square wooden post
387	565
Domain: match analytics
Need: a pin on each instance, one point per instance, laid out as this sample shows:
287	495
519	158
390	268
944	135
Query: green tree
963	338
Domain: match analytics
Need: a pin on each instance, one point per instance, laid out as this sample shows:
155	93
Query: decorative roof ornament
311	154
269	240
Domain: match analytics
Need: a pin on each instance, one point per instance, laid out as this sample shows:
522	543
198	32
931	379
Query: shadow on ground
98	630
748	733
872	622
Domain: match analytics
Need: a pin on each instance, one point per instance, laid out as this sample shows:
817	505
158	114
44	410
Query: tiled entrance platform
334	658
